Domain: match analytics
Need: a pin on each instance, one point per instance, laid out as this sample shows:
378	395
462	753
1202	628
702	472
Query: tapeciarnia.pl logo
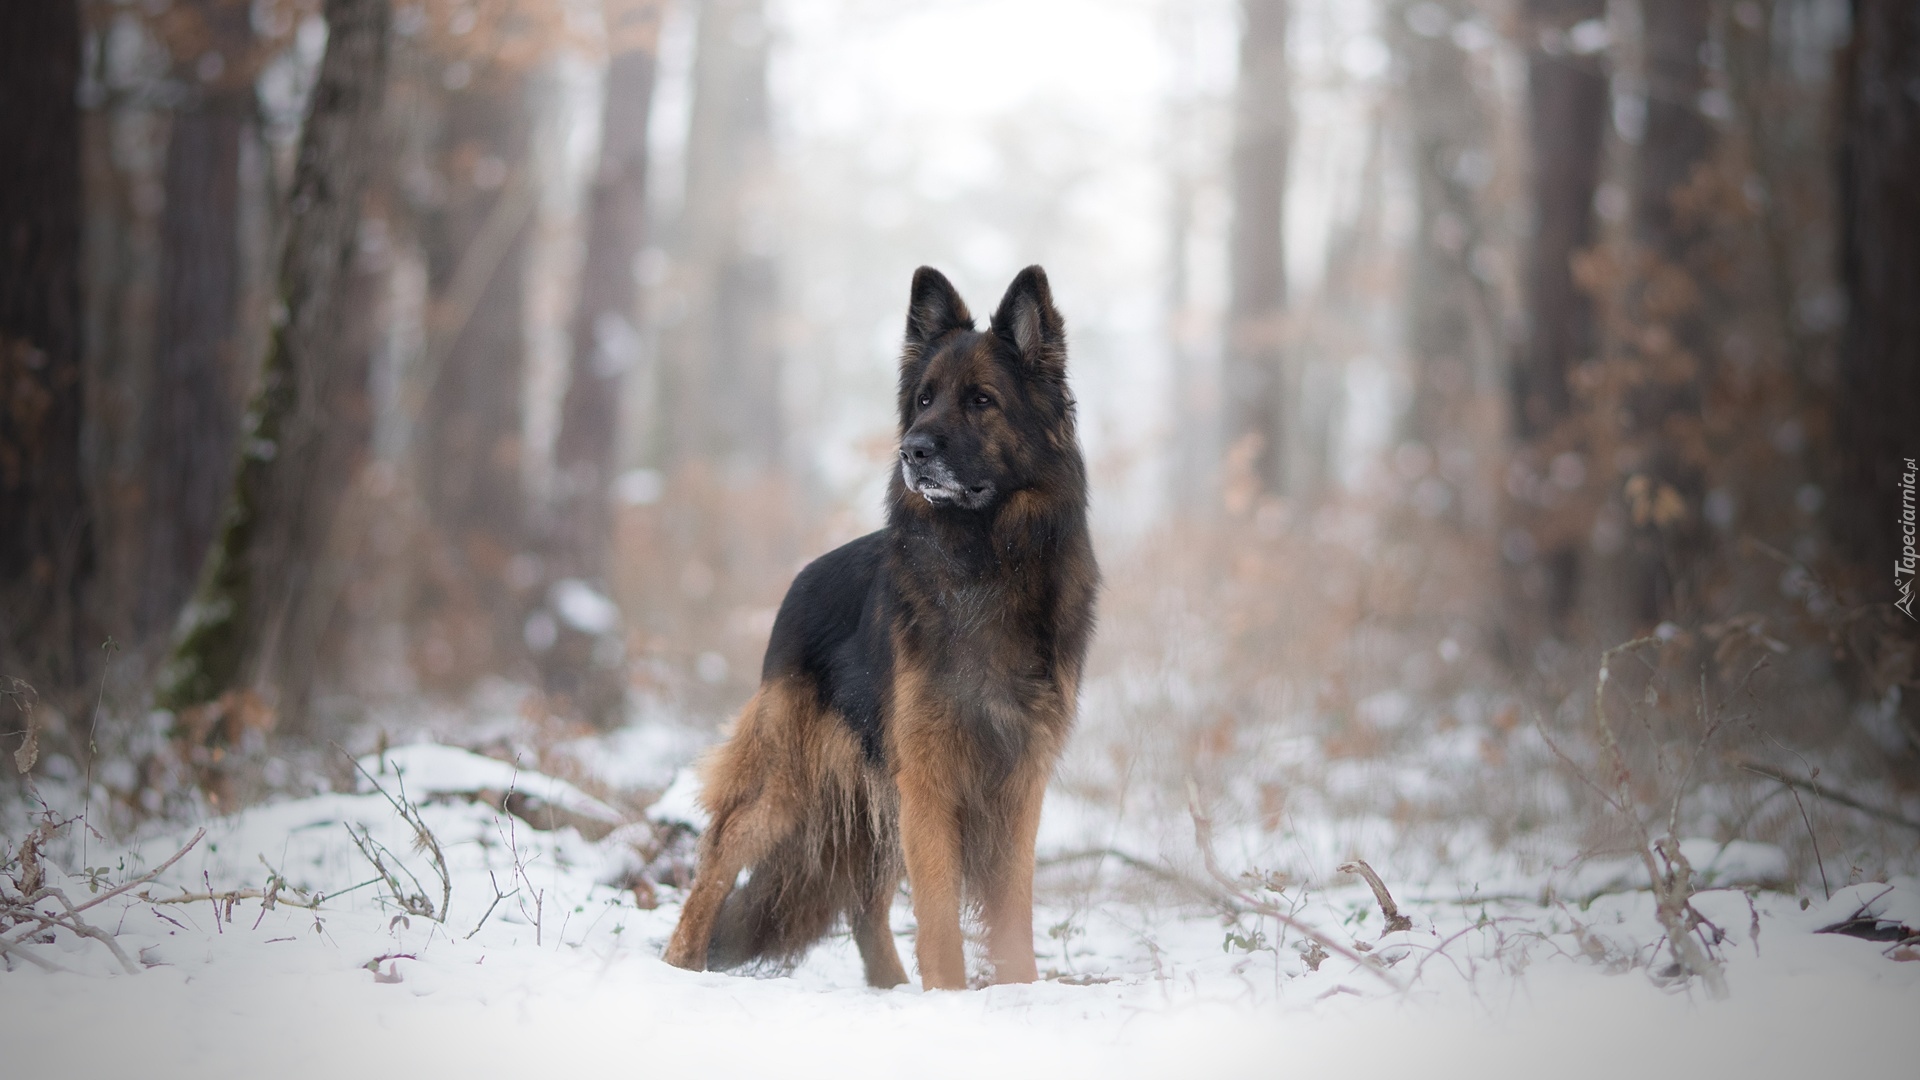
1903	567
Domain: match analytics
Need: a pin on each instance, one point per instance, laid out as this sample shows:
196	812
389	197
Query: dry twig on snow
1233	896
1395	920
28	909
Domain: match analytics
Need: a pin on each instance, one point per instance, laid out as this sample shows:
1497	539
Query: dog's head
982	415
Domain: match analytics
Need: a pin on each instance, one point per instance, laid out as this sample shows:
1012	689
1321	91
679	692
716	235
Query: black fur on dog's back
941	654
832	632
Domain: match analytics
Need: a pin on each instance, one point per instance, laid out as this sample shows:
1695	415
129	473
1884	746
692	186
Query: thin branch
233	895
1133	862
14	948
1580	773
423	837
80	926
146	877
497	897
1827	793
72	922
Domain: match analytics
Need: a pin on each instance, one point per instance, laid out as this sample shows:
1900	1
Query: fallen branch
232	896
1134	862
1395	920
14	948
74	923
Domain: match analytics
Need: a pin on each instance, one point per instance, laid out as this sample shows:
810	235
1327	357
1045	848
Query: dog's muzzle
934	479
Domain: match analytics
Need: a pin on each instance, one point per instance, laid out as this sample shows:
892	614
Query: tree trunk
582	665
193	415
1567	98
1449	321
1451	318
1194	408
1877	414
1660	575
298	443
46	542
1252	384
471	448
1566	111
124	169
1879	400
721	362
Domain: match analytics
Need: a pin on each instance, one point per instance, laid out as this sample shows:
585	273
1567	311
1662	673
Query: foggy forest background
373	366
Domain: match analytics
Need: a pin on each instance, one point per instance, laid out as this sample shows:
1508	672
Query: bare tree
1880	261
579	666
1878	406
720	363
1567	112
198	378
1567	99
1253	386
299	442
46	544
1188	159
1660	571
1451	325
470	446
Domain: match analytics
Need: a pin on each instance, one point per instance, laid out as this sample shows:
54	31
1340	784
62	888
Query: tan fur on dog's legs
734	842
873	933
930	840
1009	902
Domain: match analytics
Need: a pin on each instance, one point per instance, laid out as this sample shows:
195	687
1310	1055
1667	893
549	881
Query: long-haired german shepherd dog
921	680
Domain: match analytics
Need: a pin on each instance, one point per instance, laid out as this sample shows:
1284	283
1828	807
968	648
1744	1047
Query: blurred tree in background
46	542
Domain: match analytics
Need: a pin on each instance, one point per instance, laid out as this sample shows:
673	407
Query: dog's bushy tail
789	902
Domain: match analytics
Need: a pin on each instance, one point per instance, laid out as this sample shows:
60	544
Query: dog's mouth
934	482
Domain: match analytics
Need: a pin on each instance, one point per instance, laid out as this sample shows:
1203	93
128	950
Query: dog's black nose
918	446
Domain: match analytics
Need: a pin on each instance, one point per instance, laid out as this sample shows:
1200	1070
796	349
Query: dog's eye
982	400
926	399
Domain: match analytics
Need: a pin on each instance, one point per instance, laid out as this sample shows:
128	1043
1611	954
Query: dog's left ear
1028	321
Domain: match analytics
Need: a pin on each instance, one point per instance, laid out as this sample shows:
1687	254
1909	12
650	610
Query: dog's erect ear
933	309
1028	321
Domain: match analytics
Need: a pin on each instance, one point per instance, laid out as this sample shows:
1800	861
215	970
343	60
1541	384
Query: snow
544	965
680	803
639	487
584	608
1898	902
428	769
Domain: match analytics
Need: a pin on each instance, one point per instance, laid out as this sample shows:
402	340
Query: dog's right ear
933	309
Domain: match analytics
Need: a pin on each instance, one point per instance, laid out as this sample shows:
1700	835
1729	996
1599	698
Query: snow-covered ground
544	963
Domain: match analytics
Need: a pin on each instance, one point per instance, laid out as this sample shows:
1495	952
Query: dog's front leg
930	840
1009	904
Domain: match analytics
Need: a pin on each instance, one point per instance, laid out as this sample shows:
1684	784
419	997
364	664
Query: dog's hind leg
750	817
873	932
733	842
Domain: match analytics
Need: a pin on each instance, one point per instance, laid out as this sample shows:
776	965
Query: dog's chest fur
984	627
